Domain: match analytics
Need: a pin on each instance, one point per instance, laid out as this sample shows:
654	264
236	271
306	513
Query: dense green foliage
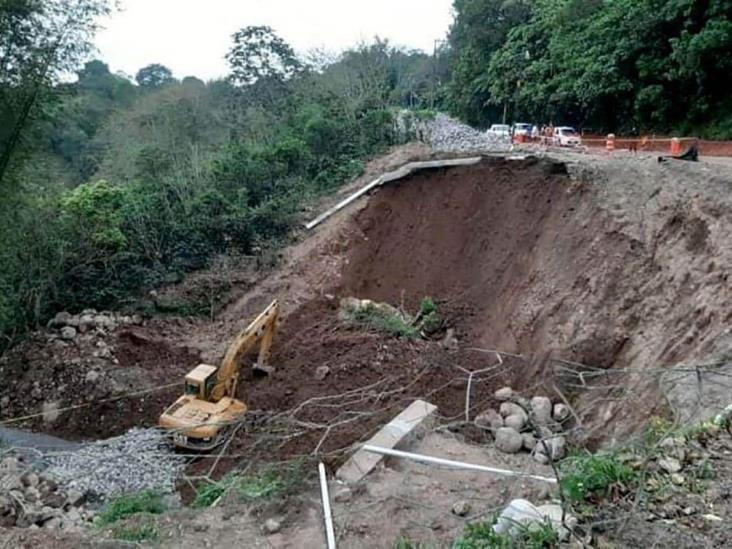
607	64
113	186
480	535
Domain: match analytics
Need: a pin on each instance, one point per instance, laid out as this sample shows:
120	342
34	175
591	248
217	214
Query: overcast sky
192	36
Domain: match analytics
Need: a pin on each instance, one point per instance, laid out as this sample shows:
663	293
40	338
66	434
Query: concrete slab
395	432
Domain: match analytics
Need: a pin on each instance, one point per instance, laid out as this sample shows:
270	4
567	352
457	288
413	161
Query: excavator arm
263	327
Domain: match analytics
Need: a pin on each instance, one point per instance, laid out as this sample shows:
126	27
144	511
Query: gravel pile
444	133
138	460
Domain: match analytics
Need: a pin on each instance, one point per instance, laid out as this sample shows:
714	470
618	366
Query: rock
30	479
541	458
321	372
55	500
511	409
50	411
342	494
669	464
72	515
272	526
503	394
105	322
489	419
461	508
529	441
541	410
137	320
53	524
60	320
516	422
92	376
9	464
553	447
508	440
450	341
68	333
91	312
40	516
554	513
76	498
678	479
522	514
561	412
32	494
86	322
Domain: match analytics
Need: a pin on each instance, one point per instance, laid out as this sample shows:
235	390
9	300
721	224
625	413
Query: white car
500	130
566	136
522	129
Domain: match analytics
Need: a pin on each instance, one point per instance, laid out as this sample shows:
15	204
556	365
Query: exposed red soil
614	275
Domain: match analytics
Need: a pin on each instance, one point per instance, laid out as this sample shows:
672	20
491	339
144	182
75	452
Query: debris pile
534	425
68	325
30	499
141	459
444	133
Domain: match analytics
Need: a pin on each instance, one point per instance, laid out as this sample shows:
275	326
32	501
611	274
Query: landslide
617	266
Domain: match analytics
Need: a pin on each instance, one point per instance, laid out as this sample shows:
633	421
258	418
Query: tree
154	76
40	40
257	54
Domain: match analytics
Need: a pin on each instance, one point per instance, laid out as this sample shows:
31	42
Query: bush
132	504
269	482
585	475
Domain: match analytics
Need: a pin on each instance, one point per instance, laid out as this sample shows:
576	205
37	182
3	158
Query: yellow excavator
205	414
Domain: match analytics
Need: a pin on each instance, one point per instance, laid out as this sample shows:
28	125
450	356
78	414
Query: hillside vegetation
612	65
113	184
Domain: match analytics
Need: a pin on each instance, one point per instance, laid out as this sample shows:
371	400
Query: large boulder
508	441
489	419
541	410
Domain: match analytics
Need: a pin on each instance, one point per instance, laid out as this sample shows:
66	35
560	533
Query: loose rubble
447	134
32	500
519	421
138	460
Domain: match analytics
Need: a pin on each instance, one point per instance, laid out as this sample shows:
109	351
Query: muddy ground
592	277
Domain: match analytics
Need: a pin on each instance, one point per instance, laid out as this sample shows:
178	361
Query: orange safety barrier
675	146
661	145
610	144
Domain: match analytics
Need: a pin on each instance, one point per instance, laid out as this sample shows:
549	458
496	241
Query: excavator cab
200	381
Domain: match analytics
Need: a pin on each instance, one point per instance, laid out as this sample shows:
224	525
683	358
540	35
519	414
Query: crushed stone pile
140	459
447	134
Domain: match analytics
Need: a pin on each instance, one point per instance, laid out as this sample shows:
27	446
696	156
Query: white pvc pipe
329	532
454	464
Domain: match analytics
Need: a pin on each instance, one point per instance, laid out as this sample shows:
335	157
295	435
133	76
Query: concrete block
395	432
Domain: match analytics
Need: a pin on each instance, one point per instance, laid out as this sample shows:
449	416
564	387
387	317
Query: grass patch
586	476
132	504
135	534
481	536
268	483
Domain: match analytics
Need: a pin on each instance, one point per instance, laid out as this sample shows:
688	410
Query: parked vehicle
500	130
566	136
520	128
